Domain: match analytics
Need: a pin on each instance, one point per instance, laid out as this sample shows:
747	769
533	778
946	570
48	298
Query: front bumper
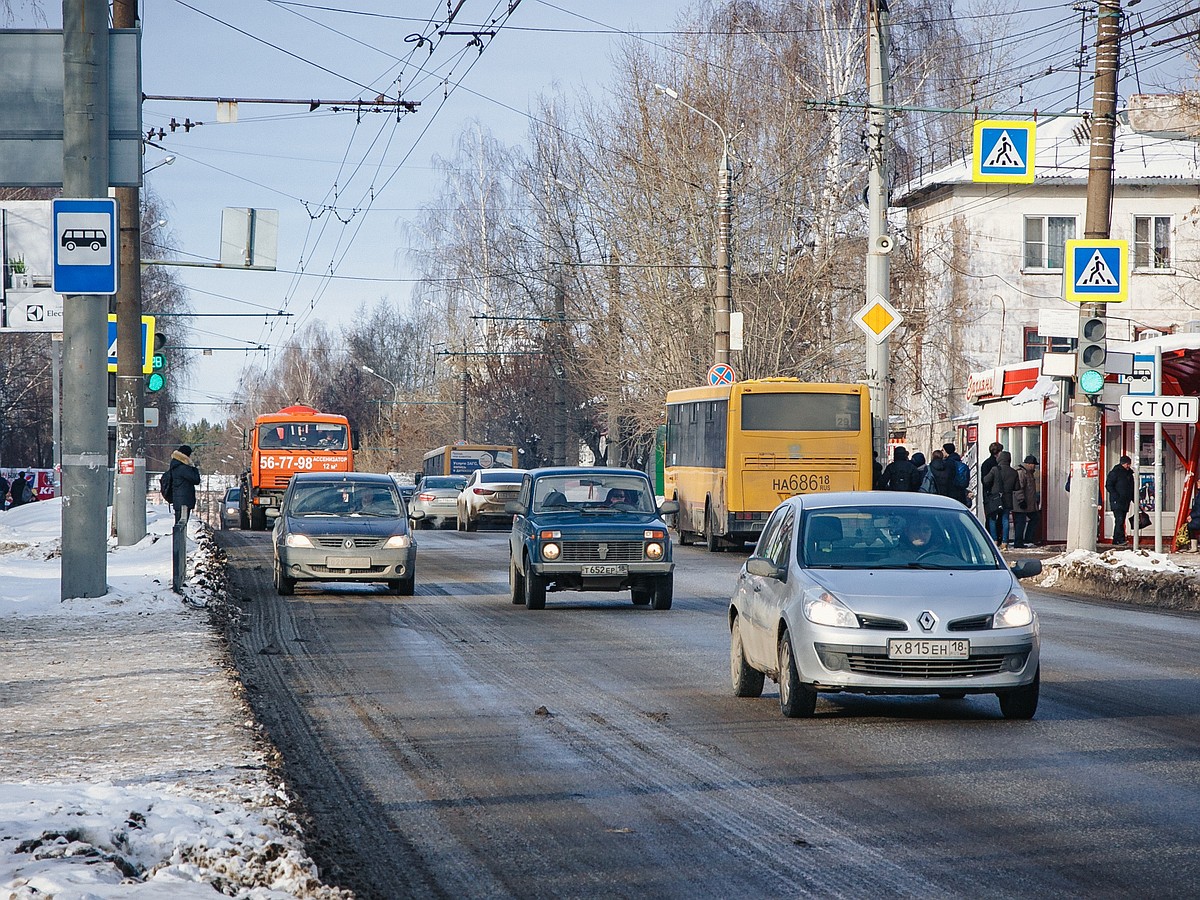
318	564
569	576
998	660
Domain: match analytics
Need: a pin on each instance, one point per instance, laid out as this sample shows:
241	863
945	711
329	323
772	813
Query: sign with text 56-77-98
85	239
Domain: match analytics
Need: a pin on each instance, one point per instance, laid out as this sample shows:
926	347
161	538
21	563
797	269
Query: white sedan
484	497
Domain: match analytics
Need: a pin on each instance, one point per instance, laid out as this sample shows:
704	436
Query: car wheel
641	595
747	681
516	582
664	592
711	540
284	586
1022	702
797	700
471	525
258	520
403	587
535	590
458	522
244	521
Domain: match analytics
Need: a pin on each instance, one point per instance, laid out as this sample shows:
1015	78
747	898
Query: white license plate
903	648
605	570
347	562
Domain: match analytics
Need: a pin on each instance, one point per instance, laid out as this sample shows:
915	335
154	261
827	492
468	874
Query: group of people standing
17	493
1012	498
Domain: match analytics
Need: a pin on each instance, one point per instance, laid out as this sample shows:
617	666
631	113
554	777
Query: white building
989	260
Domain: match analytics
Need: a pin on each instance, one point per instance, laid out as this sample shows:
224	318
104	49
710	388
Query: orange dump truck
295	439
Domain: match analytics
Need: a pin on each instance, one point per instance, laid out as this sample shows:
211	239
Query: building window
1152	242
1045	241
1037	346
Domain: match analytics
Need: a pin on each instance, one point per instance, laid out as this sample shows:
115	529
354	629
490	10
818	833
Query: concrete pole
1086	433
558	368
878	241
85	317
129	501
724	266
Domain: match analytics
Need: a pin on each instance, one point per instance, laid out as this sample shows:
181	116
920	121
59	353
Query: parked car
882	593
437	498
231	508
589	529
484	496
343	526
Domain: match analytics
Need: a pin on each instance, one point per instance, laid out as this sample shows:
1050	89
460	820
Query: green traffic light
1091	381
155	382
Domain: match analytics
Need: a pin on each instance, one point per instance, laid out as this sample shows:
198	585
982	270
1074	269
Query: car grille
360	543
976	623
368	570
602	551
879	664
879	623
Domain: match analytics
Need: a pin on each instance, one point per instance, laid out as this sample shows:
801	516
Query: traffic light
157	379
1090	354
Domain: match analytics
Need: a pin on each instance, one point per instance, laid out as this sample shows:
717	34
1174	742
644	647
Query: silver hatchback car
882	593
437	497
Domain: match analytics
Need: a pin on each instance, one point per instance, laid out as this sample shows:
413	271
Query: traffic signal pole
129	503
1086	434
84	562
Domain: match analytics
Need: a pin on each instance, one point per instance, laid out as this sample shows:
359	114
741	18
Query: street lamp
724	228
395	393
163	162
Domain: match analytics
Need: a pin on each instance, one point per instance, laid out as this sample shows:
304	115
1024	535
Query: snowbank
1128	576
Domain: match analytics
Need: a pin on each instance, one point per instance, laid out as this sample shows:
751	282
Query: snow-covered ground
129	765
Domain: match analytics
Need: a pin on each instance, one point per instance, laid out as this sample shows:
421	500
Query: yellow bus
733	453
463	459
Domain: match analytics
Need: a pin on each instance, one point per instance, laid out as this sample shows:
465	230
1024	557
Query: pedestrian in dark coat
876	471
998	486
1027	503
1119	485
957	491
994	449
900	474
19	490
184	478
926	483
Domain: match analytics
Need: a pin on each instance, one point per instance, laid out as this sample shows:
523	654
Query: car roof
867	499
350	477
584	470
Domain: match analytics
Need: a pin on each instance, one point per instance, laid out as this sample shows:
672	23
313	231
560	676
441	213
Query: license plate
605	570
347	562
899	648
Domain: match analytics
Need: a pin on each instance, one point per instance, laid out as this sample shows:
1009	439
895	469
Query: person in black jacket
900	474
184	479
1119	485
998	486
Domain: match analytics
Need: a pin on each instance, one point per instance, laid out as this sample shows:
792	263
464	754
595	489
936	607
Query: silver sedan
437	497
882	593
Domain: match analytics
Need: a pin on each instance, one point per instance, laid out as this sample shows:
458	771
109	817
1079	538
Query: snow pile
131	767
1132	576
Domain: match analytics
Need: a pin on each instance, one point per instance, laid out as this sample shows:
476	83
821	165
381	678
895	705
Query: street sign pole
85	379
879	242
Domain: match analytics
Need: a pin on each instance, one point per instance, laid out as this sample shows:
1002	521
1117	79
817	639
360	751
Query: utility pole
1082	520
558	370
724	267
879	242
85	316
129	503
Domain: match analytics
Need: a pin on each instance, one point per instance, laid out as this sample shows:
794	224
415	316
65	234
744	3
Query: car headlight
822	608
654	551
297	540
1014	612
397	542
551	551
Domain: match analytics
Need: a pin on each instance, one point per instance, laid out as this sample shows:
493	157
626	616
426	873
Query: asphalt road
454	745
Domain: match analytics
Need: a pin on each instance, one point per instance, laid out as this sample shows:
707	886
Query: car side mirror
760	565
1027	568
668	507
514	507
415	514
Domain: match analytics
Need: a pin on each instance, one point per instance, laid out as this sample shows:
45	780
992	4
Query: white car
484	497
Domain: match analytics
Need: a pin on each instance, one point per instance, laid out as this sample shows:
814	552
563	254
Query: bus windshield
302	436
800	412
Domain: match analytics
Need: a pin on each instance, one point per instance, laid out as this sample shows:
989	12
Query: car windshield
894	537
343	499
444	482
592	493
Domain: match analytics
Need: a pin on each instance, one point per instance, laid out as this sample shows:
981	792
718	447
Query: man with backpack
900	474
955	475
178	484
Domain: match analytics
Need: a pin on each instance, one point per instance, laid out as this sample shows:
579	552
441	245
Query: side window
781	554
771	538
525	492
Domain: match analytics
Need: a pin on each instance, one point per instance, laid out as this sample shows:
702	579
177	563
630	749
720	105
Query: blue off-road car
589	529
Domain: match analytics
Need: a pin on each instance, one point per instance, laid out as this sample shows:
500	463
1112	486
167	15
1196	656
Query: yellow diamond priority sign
878	319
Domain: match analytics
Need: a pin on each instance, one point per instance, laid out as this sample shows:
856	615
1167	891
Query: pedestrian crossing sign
1004	152
1096	271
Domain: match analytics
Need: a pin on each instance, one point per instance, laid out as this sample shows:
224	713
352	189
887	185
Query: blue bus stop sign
85	239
